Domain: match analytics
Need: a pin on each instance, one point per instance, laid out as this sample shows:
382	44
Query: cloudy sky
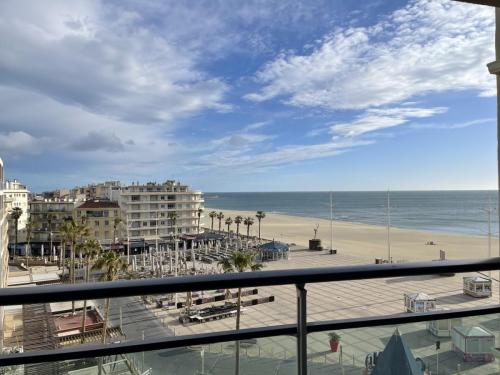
248	96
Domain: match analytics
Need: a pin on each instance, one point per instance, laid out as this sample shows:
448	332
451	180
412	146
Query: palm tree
212	215
173	220
229	221
239	261
116	223
15	215
200	210
248	222
31	225
220	216
260	215
238	220
65	235
91	250
71	231
112	264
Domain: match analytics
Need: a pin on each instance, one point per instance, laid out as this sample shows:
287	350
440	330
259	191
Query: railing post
301	329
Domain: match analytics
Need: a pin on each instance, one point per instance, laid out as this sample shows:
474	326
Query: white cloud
18	143
281	155
428	46
458	125
103	59
377	119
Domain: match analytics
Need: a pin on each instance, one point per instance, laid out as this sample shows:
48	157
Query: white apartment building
146	209
18	196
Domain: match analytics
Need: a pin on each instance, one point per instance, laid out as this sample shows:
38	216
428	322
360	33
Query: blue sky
249	96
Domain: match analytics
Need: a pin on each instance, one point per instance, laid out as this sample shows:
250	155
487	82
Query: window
135	198
96	223
106	222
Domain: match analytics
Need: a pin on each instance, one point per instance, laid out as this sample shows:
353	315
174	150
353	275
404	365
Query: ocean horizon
446	211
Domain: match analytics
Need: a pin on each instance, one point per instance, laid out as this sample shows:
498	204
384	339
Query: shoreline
364	240
437	232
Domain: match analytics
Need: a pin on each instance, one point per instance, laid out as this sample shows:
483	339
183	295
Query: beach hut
477	286
396	359
273	250
419	302
443	327
473	344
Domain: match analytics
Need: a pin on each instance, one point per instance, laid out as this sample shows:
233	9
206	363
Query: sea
462	212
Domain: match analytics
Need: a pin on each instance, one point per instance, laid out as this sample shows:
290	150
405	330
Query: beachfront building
273	250
17	194
148	209
443	327
103	190
49	214
477	286
473	344
419	302
103	218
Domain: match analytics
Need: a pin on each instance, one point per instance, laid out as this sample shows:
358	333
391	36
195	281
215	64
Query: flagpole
331	220
389	256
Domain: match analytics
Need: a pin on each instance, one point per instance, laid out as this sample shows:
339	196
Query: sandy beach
363	240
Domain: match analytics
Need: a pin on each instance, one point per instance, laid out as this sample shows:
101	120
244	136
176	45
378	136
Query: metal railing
298	277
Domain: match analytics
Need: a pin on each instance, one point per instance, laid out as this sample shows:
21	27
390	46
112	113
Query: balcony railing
300	278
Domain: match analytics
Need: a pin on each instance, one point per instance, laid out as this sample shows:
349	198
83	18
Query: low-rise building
49	214
148	209
103	218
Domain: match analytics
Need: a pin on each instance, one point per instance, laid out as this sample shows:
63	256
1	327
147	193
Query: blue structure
273	250
397	359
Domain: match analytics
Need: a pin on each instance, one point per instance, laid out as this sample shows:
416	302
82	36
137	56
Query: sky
258	95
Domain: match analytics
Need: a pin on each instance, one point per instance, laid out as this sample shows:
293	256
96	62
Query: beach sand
363	240
357	244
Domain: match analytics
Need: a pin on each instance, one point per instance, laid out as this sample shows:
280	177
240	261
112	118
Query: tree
112	264
173	221
260	215
15	215
91	250
239	261
220	216
71	231
31	225
212	215
248	222
238	220
229	221
65	236
116	224
200	211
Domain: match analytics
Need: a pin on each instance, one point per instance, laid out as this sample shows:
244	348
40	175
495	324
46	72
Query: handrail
98	350
126	288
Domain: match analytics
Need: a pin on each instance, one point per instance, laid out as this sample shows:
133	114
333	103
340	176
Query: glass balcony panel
456	346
